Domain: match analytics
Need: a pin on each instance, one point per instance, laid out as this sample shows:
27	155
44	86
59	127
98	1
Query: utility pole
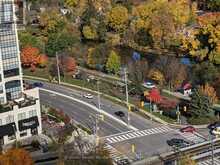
99	100
126	91
58	68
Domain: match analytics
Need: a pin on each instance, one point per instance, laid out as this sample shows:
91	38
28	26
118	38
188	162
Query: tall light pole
126	91
58	68
99	100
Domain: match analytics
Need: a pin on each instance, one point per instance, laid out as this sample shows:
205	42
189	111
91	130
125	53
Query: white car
149	85
88	96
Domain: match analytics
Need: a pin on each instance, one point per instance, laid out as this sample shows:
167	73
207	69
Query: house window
32	113
23	134
21	116
9	119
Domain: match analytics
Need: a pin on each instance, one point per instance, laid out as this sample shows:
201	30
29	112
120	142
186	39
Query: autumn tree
43	60
156	75
209	91
138	71
68	64
30	56
118	18
204	43
89	32
113	63
16	156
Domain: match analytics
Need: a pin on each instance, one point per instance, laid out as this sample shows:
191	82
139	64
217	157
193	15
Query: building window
32	113
2	100
8	12
13	89
23	134
11	72
9	119
11	137
21	116
1	89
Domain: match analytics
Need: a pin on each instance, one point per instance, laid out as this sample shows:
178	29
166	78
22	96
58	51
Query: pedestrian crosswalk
209	162
136	134
116	155
192	137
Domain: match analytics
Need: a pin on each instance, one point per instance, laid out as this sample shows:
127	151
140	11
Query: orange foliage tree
30	56
68	64
16	156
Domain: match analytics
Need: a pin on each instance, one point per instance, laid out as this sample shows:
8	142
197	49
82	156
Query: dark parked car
214	125
123	162
120	113
190	129
38	84
177	143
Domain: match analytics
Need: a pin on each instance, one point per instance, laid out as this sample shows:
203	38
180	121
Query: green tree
58	42
200	105
186	160
204	73
26	38
113	63
213	5
97	56
143	37
118	18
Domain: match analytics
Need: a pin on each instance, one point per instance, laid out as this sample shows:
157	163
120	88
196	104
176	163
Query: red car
190	129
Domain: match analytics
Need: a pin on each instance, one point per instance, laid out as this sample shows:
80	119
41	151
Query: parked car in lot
149	85
88	96
38	84
178	143
190	129
120	113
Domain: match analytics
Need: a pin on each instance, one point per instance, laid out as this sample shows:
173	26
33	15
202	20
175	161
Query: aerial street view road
109	82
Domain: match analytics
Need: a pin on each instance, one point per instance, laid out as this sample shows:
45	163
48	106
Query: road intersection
150	138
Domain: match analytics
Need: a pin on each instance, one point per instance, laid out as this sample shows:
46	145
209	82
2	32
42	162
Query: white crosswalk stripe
209	162
192	137
135	134
115	154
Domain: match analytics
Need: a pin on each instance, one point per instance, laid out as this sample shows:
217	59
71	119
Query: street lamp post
58	68
99	99
126	91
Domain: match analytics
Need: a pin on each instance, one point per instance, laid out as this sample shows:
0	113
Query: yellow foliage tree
71	3
210	92
157	76
89	33
118	18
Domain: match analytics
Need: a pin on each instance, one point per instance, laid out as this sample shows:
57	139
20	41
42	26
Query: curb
118	100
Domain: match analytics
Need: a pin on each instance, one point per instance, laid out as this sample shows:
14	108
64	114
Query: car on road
38	84
214	125
149	85
123	162
120	113
190	129
180	143
88	96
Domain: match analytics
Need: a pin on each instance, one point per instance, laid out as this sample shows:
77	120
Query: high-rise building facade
19	110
